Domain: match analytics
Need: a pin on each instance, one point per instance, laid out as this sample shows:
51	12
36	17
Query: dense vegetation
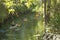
28	19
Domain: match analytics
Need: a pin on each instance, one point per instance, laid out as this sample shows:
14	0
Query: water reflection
2	31
2	34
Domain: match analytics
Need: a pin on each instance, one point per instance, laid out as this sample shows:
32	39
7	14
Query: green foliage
3	12
55	17
29	16
24	13
18	7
